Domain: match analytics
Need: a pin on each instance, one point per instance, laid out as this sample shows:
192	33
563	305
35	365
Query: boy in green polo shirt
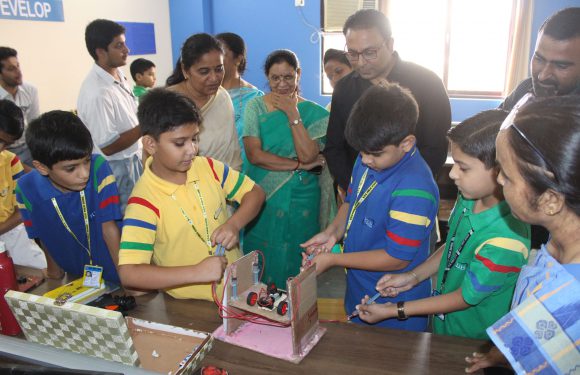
478	266
143	73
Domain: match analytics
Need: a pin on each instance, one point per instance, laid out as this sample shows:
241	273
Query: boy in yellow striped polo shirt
478	267
177	216
24	251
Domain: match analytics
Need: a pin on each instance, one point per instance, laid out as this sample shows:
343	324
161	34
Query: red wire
225	313
232	314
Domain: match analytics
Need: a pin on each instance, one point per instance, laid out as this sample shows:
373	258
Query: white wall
53	55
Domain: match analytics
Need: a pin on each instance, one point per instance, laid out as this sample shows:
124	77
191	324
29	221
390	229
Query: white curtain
519	55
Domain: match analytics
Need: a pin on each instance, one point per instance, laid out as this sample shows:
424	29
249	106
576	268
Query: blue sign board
140	37
32	10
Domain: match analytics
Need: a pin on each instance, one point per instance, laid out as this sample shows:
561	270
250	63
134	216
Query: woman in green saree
283	136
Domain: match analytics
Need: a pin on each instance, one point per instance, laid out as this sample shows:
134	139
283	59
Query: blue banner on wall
32	10
140	37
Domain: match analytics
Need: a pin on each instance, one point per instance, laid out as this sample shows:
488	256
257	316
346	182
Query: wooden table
346	348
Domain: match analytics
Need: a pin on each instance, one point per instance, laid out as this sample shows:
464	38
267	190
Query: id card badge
92	276
435	293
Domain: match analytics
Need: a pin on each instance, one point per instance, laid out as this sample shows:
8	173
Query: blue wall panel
267	25
140	38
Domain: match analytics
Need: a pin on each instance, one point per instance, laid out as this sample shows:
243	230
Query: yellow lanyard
86	219
359	199
203	212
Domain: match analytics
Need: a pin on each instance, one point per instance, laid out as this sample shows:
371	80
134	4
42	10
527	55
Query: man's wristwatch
295	122
401	311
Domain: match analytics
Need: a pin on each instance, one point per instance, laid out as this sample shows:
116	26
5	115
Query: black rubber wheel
282	308
252	298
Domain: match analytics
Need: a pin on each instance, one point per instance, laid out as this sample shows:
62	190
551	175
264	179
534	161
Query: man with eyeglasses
107	106
369	48
555	65
555	70
23	94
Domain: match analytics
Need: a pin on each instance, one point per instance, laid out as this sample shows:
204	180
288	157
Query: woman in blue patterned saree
240	90
283	136
539	154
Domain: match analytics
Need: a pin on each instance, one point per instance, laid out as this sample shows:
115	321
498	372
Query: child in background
23	250
479	265
69	187
143	73
391	202
177	213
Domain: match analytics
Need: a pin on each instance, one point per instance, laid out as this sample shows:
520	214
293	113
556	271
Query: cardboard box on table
108	335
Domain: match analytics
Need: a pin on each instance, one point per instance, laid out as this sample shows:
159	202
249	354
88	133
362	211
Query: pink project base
272	341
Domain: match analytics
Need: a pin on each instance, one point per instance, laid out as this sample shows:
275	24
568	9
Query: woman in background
539	156
198	75
336	65
283	135
239	89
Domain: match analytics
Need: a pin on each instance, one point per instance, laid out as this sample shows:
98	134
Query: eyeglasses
368	54
509	123
287	78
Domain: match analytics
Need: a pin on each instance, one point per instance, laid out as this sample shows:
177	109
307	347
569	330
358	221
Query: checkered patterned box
98	332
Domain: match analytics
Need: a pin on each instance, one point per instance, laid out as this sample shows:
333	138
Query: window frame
472	94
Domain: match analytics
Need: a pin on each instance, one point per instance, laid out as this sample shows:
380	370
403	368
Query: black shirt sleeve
433	124
434	111
511	100
339	155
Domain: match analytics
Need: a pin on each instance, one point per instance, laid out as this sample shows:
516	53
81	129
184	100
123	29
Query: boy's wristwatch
401	311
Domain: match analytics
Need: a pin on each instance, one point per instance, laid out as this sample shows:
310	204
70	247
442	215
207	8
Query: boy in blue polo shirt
70	202
391	203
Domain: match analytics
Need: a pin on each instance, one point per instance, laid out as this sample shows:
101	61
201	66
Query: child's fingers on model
393	292
477	362
365	299
309	245
230	240
384	282
305	260
389	292
316	240
366	313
